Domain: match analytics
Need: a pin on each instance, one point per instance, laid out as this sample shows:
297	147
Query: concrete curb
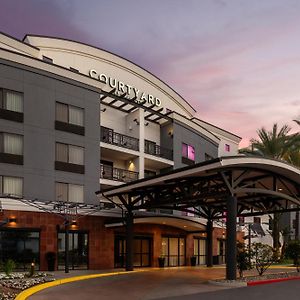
232	283
29	292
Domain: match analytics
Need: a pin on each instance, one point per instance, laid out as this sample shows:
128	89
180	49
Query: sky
237	62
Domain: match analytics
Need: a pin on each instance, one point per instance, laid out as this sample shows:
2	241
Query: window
11	148
20	245
11	185
68	192
69	158
69	154
69	118
11	105
227	148
11	100
69	114
188	154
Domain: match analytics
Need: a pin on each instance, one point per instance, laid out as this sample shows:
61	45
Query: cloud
18	18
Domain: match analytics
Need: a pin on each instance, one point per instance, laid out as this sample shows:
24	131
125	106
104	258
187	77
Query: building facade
75	119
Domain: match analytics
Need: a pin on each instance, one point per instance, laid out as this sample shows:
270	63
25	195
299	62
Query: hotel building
76	119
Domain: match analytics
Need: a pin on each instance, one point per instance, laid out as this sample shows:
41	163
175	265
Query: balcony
156	150
108	172
110	137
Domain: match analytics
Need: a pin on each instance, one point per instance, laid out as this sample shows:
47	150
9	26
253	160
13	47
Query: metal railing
109	136
108	172
154	149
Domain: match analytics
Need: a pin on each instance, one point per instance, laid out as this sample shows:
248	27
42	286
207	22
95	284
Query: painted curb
29	292
253	283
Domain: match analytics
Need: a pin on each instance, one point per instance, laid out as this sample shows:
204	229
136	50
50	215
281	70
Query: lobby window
69	118
227	148
11	186
69	158
68	192
11	105
11	148
188	154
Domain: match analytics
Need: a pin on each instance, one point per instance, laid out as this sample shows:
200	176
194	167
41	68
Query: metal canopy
128	105
260	186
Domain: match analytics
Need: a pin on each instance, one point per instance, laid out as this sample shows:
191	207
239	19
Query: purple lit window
188	151
227	148
191	153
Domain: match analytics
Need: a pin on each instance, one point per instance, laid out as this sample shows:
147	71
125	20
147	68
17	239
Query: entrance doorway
141	249
221	251
173	249
200	250
78	250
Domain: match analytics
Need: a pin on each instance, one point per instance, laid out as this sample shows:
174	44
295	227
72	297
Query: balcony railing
109	136
108	172
153	149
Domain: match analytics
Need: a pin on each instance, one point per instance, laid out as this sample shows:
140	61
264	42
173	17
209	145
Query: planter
193	261
161	262
51	257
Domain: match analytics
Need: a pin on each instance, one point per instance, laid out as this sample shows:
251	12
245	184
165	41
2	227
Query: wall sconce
103	109
136	121
170	133
12	220
73	223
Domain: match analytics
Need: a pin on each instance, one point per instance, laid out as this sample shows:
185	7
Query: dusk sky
236	62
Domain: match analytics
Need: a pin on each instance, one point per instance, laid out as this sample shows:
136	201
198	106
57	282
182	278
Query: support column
129	241
67	245
209	243
231	238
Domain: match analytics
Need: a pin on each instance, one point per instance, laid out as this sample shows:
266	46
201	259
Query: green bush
293	252
9	266
263	256
243	259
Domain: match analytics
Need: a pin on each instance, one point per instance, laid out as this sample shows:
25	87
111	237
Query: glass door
141	248
200	251
173	249
78	250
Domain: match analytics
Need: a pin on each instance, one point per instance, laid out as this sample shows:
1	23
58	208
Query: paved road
276	291
187	284
138	286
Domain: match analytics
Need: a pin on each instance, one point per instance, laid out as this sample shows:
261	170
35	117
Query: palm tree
293	155
277	144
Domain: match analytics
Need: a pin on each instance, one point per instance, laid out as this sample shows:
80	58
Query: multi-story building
75	119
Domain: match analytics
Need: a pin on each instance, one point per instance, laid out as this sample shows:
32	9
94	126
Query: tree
293	252
277	143
263	256
243	259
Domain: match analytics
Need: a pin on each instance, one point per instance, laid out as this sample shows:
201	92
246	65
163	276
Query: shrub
8	267
293	251
263	256
243	259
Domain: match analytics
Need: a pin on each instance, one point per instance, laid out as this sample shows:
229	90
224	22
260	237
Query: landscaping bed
15	283
252	278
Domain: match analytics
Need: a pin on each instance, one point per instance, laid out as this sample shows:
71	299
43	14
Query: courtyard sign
123	88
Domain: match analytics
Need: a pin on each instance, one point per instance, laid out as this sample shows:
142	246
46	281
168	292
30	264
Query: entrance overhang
235	186
260	185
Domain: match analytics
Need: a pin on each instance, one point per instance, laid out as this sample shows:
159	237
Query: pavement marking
29	292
